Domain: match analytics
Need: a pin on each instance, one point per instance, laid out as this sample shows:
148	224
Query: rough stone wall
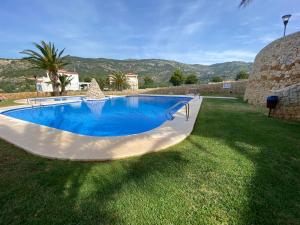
94	91
237	88
288	106
276	66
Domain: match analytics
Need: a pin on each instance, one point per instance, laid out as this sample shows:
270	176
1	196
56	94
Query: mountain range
160	70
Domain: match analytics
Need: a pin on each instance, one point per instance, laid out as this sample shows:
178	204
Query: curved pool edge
57	144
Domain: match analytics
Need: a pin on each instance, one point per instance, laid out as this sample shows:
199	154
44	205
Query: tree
177	78
87	79
103	82
148	81
191	79
217	79
48	58
119	81
64	81
242	75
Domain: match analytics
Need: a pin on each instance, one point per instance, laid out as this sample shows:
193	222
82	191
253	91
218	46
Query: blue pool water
111	117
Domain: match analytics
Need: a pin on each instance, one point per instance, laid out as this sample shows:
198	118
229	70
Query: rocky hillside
160	70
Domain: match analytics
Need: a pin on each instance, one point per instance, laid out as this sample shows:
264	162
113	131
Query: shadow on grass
40	191
272	146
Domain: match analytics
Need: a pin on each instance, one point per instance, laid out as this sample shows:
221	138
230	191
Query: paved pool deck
58	144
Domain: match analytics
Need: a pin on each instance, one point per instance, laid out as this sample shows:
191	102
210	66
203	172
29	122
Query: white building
131	79
43	84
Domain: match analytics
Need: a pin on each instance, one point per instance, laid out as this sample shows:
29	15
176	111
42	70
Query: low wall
288	106
21	95
237	88
125	92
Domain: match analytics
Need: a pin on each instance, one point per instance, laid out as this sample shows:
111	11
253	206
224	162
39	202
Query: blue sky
190	31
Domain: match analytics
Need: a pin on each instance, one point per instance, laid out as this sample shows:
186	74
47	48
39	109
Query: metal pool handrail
33	101
187	110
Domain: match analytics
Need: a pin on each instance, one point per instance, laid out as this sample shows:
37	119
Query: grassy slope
238	167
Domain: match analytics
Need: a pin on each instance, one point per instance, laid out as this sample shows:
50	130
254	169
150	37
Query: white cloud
251	39
267	38
192	27
190	10
196	56
211	57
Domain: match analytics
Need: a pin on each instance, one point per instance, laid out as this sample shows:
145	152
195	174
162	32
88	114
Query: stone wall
289	103
237	88
21	95
276	66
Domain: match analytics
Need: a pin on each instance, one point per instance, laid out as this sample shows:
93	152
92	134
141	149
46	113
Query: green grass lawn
8	102
237	167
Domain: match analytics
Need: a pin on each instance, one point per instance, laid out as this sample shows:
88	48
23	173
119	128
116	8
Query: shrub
242	75
87	79
191	79
148	80
217	79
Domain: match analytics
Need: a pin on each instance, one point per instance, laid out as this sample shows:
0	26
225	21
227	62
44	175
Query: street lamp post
285	20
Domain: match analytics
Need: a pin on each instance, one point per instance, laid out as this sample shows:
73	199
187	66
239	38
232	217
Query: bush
148	81
191	79
87	79
242	75
217	79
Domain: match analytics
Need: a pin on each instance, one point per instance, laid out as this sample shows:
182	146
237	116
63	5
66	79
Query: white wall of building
133	81
44	83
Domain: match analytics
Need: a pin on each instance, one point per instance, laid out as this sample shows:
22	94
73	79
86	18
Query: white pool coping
58	144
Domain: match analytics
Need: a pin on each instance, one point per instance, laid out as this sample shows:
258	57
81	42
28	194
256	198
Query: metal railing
33	102
168	112
39	101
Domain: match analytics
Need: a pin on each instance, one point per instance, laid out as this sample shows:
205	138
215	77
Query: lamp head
286	18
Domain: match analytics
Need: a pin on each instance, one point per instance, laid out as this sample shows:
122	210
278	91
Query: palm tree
64	81
244	2
119	81
47	58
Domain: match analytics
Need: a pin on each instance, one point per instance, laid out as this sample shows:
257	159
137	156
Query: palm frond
46	57
119	81
244	3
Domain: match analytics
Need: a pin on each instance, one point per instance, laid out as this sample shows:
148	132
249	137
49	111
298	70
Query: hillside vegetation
159	69
16	70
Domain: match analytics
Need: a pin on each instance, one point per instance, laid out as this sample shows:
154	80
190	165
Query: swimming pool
110	117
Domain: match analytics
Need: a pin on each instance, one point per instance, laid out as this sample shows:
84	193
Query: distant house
131	79
43	84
